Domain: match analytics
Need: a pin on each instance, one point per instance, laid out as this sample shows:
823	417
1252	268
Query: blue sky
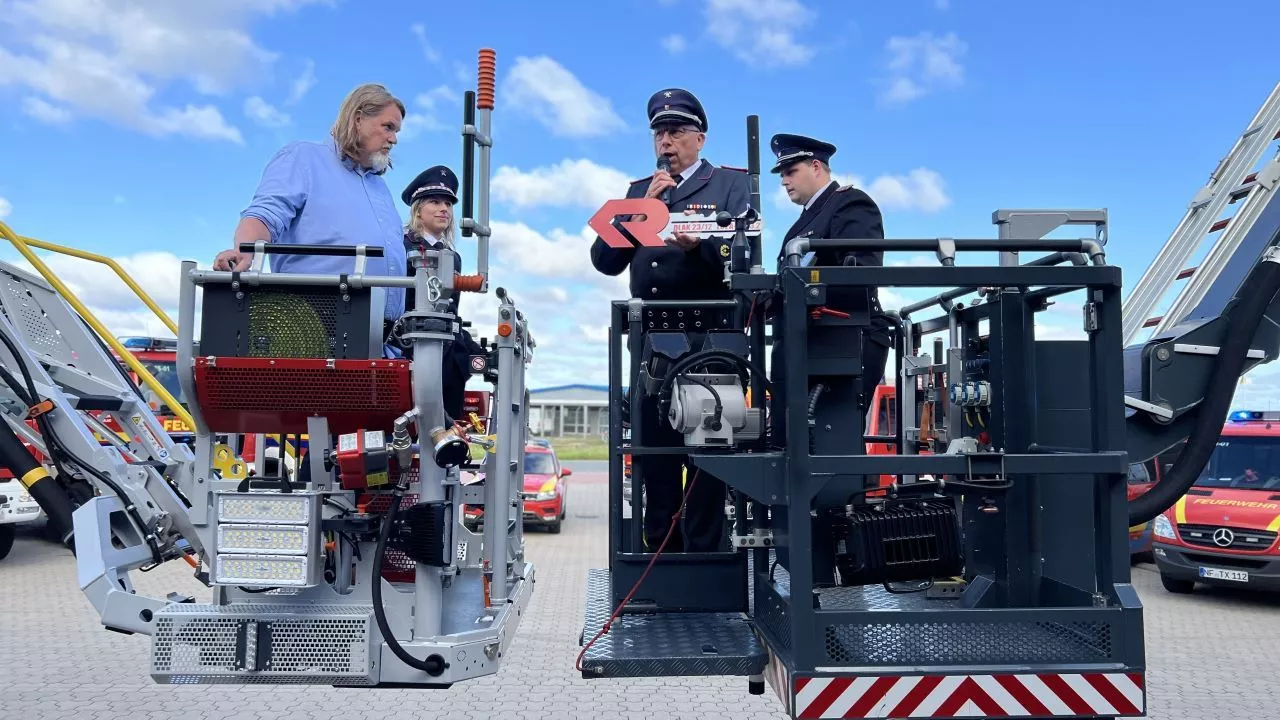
139	129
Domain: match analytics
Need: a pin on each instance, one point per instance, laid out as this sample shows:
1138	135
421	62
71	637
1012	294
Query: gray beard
379	162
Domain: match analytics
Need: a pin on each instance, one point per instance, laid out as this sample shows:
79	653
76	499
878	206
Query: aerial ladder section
1180	381
1237	181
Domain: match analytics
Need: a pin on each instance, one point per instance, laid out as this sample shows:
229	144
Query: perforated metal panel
979	643
396	566
267	395
213	644
30	319
987	638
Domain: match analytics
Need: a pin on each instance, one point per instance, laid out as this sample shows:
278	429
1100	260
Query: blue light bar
148	343
1253	416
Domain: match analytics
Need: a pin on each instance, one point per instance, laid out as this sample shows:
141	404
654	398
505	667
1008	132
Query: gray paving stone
1211	654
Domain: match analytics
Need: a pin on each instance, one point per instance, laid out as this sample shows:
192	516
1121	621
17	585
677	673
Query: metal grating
961	643
950	642
261	395
293	324
665	644
217	644
396	566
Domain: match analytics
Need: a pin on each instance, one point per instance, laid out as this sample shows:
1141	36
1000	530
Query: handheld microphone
664	164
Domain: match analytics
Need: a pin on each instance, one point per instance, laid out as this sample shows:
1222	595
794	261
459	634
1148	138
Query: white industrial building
569	410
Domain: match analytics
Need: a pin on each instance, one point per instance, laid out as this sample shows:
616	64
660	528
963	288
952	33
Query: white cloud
921	64
423	115
558	255
428	51
674	44
157	272
6	208
45	111
761	33
112	60
554	284
921	190
912	261
1259	389
569	323
569	183
302	84
462	73
264	113
543	89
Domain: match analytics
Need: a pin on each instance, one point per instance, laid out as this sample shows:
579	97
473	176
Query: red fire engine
1224	530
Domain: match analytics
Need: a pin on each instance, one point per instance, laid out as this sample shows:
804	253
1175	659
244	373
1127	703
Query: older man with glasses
686	268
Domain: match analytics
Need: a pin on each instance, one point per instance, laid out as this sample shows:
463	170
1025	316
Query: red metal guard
277	395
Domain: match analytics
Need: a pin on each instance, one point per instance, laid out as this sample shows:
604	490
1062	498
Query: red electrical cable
675	519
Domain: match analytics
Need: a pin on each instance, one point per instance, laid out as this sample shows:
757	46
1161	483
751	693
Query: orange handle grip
488	71
468	283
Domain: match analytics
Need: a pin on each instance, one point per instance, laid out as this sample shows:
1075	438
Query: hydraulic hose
1254	298
44	490
689	361
434	665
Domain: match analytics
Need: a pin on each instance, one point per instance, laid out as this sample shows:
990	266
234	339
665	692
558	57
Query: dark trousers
703	521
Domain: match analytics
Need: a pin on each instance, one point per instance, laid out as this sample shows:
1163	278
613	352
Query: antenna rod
753	170
484	106
468	161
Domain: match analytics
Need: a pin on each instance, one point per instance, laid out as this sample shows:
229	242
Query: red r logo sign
646	232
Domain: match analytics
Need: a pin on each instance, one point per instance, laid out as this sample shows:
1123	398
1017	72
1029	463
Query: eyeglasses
675	133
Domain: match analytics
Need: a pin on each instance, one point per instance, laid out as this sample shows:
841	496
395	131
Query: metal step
665	644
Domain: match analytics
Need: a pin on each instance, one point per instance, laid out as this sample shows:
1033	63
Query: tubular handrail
23	244
94	257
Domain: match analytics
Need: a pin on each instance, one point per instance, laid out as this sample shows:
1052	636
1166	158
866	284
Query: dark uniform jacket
841	213
846	213
671	273
456	366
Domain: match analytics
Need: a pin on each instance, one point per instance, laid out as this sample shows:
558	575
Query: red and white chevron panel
779	678
984	696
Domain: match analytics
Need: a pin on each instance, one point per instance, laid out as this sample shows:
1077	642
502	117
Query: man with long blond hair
332	193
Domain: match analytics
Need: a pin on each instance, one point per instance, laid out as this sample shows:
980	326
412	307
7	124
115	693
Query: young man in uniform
833	212
687	268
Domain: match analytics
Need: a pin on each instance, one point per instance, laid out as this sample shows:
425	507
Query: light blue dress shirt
309	194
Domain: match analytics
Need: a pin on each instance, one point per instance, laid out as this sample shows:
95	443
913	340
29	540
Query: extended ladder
1231	182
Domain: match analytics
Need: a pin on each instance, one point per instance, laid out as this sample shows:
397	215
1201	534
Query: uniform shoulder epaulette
646	178
730	167
842	188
